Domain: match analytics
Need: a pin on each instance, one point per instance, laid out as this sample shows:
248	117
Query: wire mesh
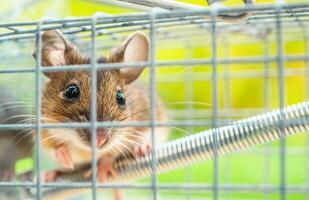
273	66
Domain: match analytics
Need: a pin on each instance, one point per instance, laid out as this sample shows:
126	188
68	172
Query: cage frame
18	34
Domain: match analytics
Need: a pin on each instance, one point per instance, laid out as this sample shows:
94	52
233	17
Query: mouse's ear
57	51
134	49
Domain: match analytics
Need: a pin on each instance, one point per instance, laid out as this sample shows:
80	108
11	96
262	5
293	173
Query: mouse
18	142
15	144
120	97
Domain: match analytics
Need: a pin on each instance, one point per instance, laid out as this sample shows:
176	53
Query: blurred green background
189	98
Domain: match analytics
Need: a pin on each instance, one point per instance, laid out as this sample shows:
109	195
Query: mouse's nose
101	136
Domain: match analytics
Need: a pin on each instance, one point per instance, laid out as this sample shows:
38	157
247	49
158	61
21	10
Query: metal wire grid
294	16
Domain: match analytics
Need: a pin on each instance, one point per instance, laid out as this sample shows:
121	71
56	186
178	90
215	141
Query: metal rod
160	15
180	123
306	94
214	93
38	113
192	149
281	88
83	24
163	4
93	110
169	63
267	106
123	4
152	103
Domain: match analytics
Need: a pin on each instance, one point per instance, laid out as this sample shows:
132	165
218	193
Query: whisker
133	141
13	117
14	102
33	148
129	151
21	132
49	137
16	106
18	134
138	112
26	116
133	134
121	151
23	137
183	131
25	120
34	118
182	71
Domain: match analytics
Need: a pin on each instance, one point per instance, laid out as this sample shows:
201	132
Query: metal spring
237	136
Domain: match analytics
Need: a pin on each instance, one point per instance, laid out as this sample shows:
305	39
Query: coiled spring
237	136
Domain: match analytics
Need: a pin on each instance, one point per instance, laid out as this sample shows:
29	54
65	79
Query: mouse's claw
142	149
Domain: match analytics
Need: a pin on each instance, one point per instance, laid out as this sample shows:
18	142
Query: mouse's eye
71	93
121	100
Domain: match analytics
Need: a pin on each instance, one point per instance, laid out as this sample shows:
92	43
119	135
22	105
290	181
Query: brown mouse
120	97
17	142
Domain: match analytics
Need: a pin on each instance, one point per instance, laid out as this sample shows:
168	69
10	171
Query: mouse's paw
105	169
63	157
142	149
50	176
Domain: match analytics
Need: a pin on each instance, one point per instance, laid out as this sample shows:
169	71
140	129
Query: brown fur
14	144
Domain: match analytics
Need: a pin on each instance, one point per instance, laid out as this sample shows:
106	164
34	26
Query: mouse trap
233	80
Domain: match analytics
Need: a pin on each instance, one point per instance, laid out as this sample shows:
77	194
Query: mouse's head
66	96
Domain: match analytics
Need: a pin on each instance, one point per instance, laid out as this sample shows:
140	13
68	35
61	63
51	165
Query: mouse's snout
101	136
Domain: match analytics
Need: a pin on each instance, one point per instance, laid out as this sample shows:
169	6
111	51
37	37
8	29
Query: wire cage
208	71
